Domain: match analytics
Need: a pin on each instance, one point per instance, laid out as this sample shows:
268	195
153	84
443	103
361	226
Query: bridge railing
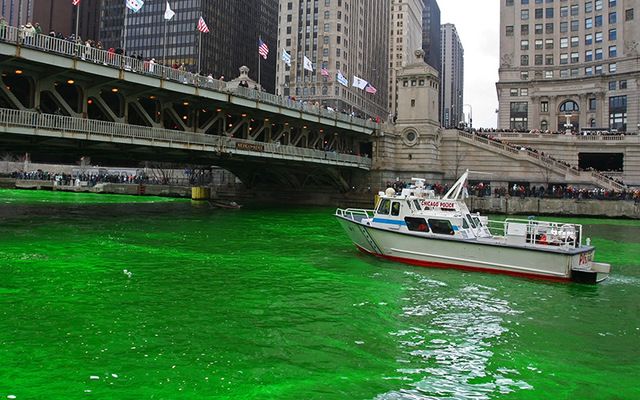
68	48
90	127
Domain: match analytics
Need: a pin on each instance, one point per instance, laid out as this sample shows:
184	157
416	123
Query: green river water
278	304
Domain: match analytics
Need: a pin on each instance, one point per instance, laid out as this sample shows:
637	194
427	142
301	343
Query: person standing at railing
29	33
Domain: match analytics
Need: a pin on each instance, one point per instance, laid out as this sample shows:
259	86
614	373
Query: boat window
417	204
417	224
465	225
409	204
441	226
384	207
471	220
395	208
477	221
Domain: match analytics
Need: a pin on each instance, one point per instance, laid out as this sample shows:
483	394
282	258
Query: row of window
539	13
589	55
519	113
570	73
566	26
589	39
588	6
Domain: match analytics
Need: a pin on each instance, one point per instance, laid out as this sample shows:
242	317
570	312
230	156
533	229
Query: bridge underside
254	173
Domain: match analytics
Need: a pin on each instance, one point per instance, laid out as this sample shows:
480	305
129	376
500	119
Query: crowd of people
584	132
84	179
553	191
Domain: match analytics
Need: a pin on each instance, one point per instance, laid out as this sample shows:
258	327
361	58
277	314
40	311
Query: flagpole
164	48
124	36
199	50
77	19
259	39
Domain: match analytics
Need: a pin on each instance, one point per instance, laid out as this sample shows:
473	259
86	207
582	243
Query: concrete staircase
571	174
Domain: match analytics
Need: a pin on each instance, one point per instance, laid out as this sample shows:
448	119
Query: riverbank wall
485	205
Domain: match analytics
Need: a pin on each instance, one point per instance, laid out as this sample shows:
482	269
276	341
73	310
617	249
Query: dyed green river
277	304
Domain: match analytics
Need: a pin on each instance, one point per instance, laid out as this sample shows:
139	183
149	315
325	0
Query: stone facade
569	65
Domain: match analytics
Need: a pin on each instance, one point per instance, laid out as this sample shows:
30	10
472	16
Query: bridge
61	100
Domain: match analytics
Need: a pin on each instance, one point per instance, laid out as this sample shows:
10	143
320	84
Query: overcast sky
478	25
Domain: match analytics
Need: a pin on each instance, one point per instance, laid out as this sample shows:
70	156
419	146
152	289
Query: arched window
544	125
592	122
569	107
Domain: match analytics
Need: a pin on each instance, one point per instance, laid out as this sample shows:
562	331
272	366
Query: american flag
202	26
324	72
263	49
76	2
370	89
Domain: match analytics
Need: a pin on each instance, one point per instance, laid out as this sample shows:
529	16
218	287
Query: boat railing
355	214
539	233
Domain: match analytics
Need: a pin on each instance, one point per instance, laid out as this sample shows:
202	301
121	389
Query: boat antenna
456	188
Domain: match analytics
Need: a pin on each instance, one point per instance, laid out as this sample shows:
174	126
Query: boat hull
472	255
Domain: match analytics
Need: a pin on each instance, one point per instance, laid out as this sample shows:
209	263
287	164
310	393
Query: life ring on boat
543	239
422	227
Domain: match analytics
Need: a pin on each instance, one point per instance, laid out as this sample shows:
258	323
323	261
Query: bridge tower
409	147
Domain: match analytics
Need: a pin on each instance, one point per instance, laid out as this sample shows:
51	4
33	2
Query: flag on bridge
76	2
202	26
308	65
359	82
286	57
263	49
168	13
134	5
370	89
342	80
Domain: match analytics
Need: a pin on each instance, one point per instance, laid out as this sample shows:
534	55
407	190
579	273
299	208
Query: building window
588	23
622	84
538	29
548	44
564	27
513	92
524	29
575	57
628	14
575	72
613	67
564	73
544	106
612	3
524	60
598	54
588	7
575	9
548	28
599	37
539	59
575	41
575	25
524	92
524	15
613	18
613	85
518	117
524	75
564	11
509	3
509	31
564	58
592	104
598	5
524	45
598	70
613	51
539	44
618	113
588	71
548	74
588	39
588	55
569	107
544	125
548	59
538	13
549	12
564	42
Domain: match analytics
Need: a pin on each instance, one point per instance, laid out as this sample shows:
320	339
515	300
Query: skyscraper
567	66
350	37
452	77
231	43
404	40
431	34
57	16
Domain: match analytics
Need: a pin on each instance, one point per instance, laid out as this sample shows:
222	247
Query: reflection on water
447	352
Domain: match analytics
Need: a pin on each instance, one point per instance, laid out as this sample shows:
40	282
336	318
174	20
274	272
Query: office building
431	34
232	41
404	40
566	66
452	77
350	37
